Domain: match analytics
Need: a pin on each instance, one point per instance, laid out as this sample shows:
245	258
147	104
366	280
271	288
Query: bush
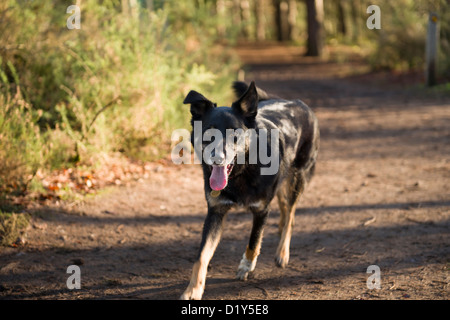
21	143
115	85
12	225
400	43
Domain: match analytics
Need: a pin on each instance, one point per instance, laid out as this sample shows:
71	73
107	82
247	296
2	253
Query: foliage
115	85
21	144
400	43
11	227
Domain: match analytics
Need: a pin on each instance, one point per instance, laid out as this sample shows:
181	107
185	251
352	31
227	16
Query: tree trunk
281	19
292	19
356	9
246	16
315	27
220	10
260	28
277	13
341	25
237	13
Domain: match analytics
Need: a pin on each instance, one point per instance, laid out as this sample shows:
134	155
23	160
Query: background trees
399	44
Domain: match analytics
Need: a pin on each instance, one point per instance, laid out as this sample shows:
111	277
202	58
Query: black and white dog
270	150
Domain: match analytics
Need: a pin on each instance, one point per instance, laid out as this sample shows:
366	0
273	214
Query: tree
260	28
292	19
281	21
355	13
314	10
341	24
285	16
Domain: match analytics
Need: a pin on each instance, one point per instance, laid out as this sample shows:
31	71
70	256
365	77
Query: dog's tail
240	87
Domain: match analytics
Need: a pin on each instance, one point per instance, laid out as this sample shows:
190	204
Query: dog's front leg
248	261
212	231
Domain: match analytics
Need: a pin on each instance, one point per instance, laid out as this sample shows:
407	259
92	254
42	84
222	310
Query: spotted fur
298	147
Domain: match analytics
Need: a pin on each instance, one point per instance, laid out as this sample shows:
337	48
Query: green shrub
11	227
115	85
400	43
20	140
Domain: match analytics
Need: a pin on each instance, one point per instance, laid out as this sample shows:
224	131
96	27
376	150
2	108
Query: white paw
245	267
282	259
192	293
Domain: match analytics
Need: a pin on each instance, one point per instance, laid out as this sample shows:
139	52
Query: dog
293	146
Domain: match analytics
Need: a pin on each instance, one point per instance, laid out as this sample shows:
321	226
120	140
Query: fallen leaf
371	220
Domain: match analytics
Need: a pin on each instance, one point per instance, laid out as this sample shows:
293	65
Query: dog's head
219	133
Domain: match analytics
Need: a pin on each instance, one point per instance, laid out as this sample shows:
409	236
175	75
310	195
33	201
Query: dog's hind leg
292	188
282	205
212	231
288	195
248	261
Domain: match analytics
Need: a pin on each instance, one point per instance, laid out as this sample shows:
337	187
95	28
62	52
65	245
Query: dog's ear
199	104
247	104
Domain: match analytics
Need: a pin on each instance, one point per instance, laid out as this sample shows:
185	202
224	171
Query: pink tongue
219	177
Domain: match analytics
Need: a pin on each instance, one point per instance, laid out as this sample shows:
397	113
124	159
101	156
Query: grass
12	225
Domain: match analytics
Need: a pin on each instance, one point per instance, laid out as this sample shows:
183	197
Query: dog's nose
218	157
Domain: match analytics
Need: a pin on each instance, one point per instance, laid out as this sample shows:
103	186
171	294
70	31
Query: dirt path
380	197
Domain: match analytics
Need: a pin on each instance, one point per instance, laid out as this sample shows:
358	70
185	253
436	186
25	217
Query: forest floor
380	196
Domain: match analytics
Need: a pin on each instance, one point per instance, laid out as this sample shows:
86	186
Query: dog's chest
248	191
